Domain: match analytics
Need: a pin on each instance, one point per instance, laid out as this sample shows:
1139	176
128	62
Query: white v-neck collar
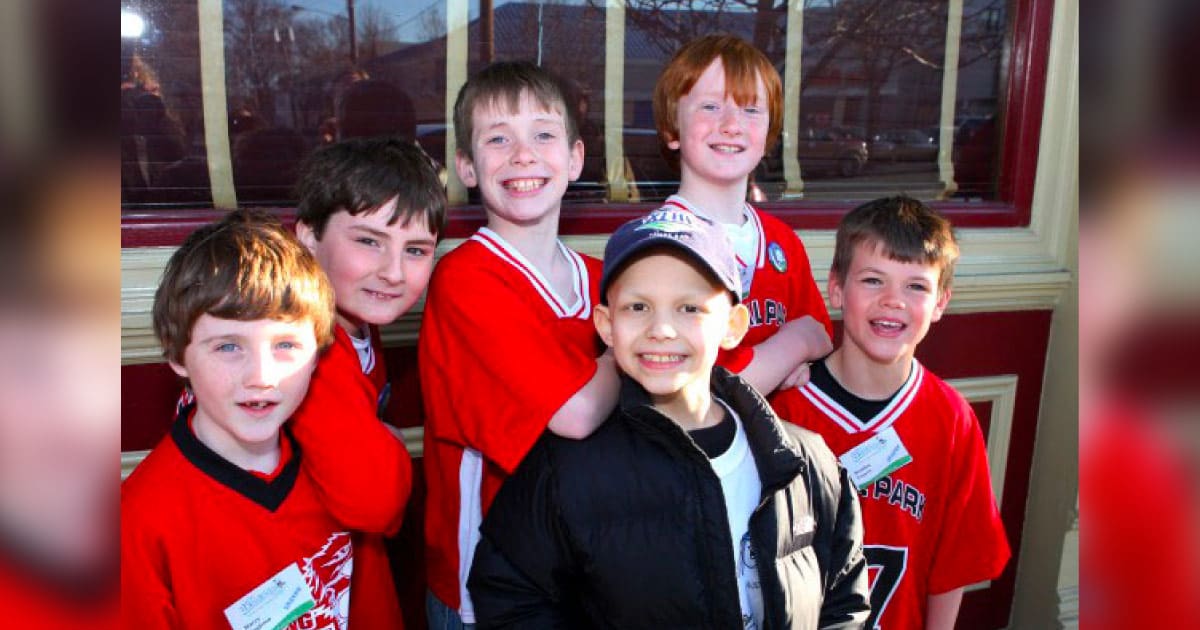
580	308
882	420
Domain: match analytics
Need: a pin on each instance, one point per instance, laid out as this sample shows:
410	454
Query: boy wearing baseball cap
661	517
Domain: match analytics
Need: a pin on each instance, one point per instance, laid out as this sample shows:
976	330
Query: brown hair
906	229
504	82
361	174
743	64
246	266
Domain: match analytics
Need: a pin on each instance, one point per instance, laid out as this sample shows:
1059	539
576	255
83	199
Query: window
876	108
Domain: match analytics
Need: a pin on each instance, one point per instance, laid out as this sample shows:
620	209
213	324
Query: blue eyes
230	347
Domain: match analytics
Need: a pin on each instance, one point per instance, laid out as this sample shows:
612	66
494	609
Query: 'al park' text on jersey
766	312
896	492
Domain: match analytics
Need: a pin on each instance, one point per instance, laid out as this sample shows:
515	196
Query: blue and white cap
696	236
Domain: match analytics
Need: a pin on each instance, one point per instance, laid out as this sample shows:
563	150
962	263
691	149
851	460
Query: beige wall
1047	571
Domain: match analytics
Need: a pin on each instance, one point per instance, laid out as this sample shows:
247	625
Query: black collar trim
269	494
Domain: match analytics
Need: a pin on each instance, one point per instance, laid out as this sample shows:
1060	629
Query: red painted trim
1026	96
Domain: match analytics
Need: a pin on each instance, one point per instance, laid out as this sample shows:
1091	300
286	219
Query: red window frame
1025	91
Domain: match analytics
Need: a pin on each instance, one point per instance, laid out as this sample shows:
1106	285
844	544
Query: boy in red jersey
718	106
911	443
237	518
371	211
507	347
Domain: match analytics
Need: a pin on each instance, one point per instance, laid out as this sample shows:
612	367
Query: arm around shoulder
361	470
779	356
584	412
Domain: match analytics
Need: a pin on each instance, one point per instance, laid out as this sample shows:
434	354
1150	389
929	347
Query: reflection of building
836	73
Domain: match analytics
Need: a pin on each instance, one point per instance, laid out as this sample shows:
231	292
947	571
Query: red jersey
499	354
781	285
199	535
932	525
362	472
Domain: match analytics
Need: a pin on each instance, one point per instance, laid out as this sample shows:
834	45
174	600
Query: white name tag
880	455
274	604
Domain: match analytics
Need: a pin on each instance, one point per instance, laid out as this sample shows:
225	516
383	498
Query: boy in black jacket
693	506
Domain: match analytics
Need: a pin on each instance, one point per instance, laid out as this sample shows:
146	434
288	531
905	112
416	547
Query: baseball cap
689	233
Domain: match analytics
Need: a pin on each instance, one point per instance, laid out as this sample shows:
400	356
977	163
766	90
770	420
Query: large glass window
881	86
162	124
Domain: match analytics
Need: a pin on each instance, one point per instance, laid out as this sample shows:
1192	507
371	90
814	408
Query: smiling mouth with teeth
725	148
259	404
661	358
525	185
887	325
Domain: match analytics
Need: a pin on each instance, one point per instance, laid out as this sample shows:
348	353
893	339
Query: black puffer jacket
628	529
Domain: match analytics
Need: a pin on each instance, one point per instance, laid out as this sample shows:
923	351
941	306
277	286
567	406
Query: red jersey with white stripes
499	352
932	525
777	284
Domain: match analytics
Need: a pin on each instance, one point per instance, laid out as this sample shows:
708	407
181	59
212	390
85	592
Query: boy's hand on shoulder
798	377
808	338
590	406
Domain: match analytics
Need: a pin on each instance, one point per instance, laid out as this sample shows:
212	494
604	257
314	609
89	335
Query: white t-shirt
742	489
744	238
366	353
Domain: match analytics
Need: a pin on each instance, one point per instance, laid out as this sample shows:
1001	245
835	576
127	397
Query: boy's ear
178	369
739	323
603	321
940	306
307	236
835	290
466	169
673	144
575	164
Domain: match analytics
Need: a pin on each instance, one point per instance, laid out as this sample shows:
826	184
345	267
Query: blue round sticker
778	259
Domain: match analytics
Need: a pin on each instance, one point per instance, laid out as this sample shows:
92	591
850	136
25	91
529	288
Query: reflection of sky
407	15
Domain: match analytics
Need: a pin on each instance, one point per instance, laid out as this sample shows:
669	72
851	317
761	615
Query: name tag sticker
879	456
274	604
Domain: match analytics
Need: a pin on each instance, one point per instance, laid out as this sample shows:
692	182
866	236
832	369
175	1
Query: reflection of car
825	149
904	145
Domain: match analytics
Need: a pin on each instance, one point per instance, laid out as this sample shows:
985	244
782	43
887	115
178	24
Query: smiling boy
371	211
718	107
232	507
692	506
930	519
507	348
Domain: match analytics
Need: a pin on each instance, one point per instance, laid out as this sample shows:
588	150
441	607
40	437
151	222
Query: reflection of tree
673	23
258	42
283	59
376	32
865	41
882	37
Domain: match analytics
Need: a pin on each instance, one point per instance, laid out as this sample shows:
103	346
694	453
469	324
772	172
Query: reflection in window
300	73
162	127
310	72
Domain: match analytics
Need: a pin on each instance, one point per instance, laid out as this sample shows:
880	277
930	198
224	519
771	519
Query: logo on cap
671	222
